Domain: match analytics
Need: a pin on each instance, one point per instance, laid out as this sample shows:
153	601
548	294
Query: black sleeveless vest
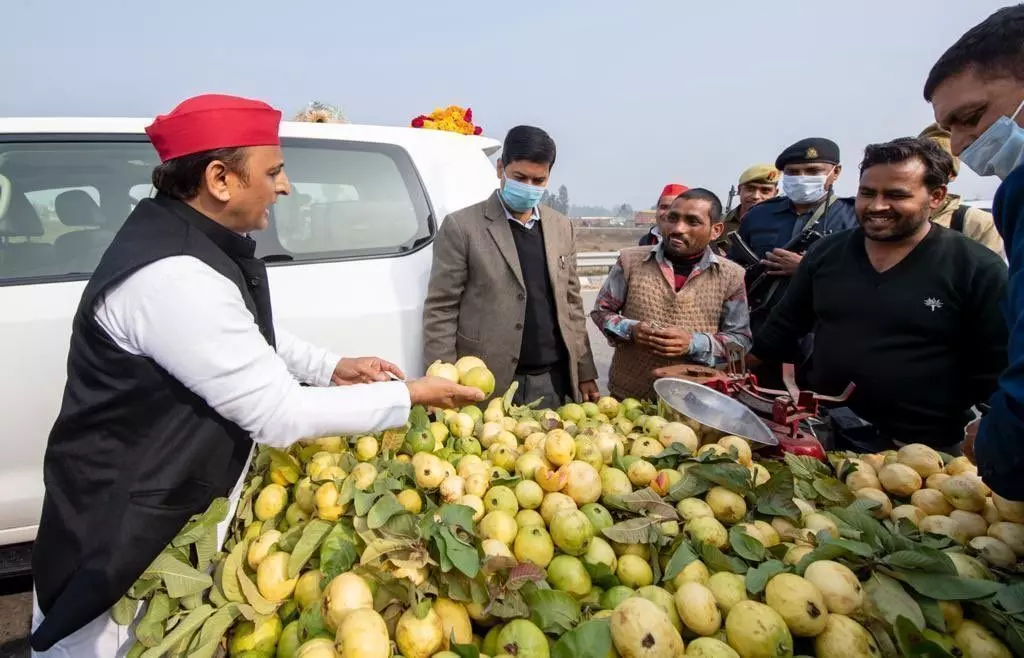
133	453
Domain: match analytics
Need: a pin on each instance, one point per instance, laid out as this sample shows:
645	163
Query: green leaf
921	559
123	612
386	507
775	497
682	556
338	552
832	549
206	548
730	475
458	515
617	455
228	570
418	418
214	628
892	601
869	527
601	575
632	531
463	650
758	577
312	536
462	556
647	501
1011	598
912	642
691	485
290	539
553	611
833	490
311	623
347	491
806	468
931	611
179	579
143	587
675	451
591	638
948	588
363	501
716	560
805	489
253	596
182	631
746	546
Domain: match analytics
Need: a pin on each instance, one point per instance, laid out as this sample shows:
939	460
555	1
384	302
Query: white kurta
193	323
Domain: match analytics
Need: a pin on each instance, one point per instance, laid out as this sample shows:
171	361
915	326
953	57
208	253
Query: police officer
975	223
757	183
778	230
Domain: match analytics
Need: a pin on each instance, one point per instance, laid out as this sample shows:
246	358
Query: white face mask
804	189
999	150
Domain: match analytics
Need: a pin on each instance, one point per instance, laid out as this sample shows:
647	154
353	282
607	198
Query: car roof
404	136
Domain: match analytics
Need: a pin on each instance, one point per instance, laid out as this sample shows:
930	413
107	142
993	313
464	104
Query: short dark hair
937	162
530	144
993	48
182	177
704	194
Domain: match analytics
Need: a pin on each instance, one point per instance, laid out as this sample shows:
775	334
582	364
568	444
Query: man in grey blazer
503	285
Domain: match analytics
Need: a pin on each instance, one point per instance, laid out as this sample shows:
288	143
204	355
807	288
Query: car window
66	201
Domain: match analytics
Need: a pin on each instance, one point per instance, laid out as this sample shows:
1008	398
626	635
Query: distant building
644	217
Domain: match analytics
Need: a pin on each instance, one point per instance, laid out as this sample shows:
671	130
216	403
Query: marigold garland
452	118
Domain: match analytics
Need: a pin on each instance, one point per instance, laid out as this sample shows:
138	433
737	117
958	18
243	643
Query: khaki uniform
978	224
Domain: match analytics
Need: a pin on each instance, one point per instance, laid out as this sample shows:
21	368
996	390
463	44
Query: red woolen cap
673	189
214	121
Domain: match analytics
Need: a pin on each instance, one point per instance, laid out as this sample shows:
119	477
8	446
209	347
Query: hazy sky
636	94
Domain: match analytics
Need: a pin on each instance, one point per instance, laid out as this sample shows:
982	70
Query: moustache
882	215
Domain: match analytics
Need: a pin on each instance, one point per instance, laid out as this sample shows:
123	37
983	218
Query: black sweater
922	341
542	346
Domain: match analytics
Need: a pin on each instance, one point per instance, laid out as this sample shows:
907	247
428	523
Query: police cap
941	136
760	173
807	151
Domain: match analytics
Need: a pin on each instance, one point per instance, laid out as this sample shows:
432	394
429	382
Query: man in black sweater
903	308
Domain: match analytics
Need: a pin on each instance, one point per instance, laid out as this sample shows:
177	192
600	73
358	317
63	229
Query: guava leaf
347	491
746	546
312	536
206	548
213	630
460	555
913	644
645	500
338	552
123	612
510	394
290	539
631	531
458	515
730	475
180	579
948	588
386	507
921	559
932	612
758	577
143	587
363	501
682	556
510	606
311	623
591	638
182	631
553	611
418	418
1011	598
463	650
775	497
252	594
601	575
892	601
806	468
833	490
831	549
716	560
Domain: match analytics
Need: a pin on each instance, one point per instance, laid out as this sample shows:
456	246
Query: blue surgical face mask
804	189
521	197
999	150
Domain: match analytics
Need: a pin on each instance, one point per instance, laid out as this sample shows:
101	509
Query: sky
636	94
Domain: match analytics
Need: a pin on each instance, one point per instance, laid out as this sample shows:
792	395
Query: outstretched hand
364	370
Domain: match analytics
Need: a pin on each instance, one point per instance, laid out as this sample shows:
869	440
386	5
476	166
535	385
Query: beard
891	226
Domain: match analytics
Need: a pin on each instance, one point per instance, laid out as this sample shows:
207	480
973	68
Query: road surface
598	343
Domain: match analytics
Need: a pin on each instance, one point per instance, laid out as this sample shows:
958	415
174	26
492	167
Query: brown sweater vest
697	307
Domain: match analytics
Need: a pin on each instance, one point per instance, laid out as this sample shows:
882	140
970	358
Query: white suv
349	253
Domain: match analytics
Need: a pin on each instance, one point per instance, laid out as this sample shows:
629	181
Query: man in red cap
175	368
668	195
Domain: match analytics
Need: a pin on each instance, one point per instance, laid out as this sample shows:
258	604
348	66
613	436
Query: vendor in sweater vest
676	302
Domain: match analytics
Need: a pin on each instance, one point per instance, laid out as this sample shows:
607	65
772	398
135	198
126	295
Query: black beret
806	151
